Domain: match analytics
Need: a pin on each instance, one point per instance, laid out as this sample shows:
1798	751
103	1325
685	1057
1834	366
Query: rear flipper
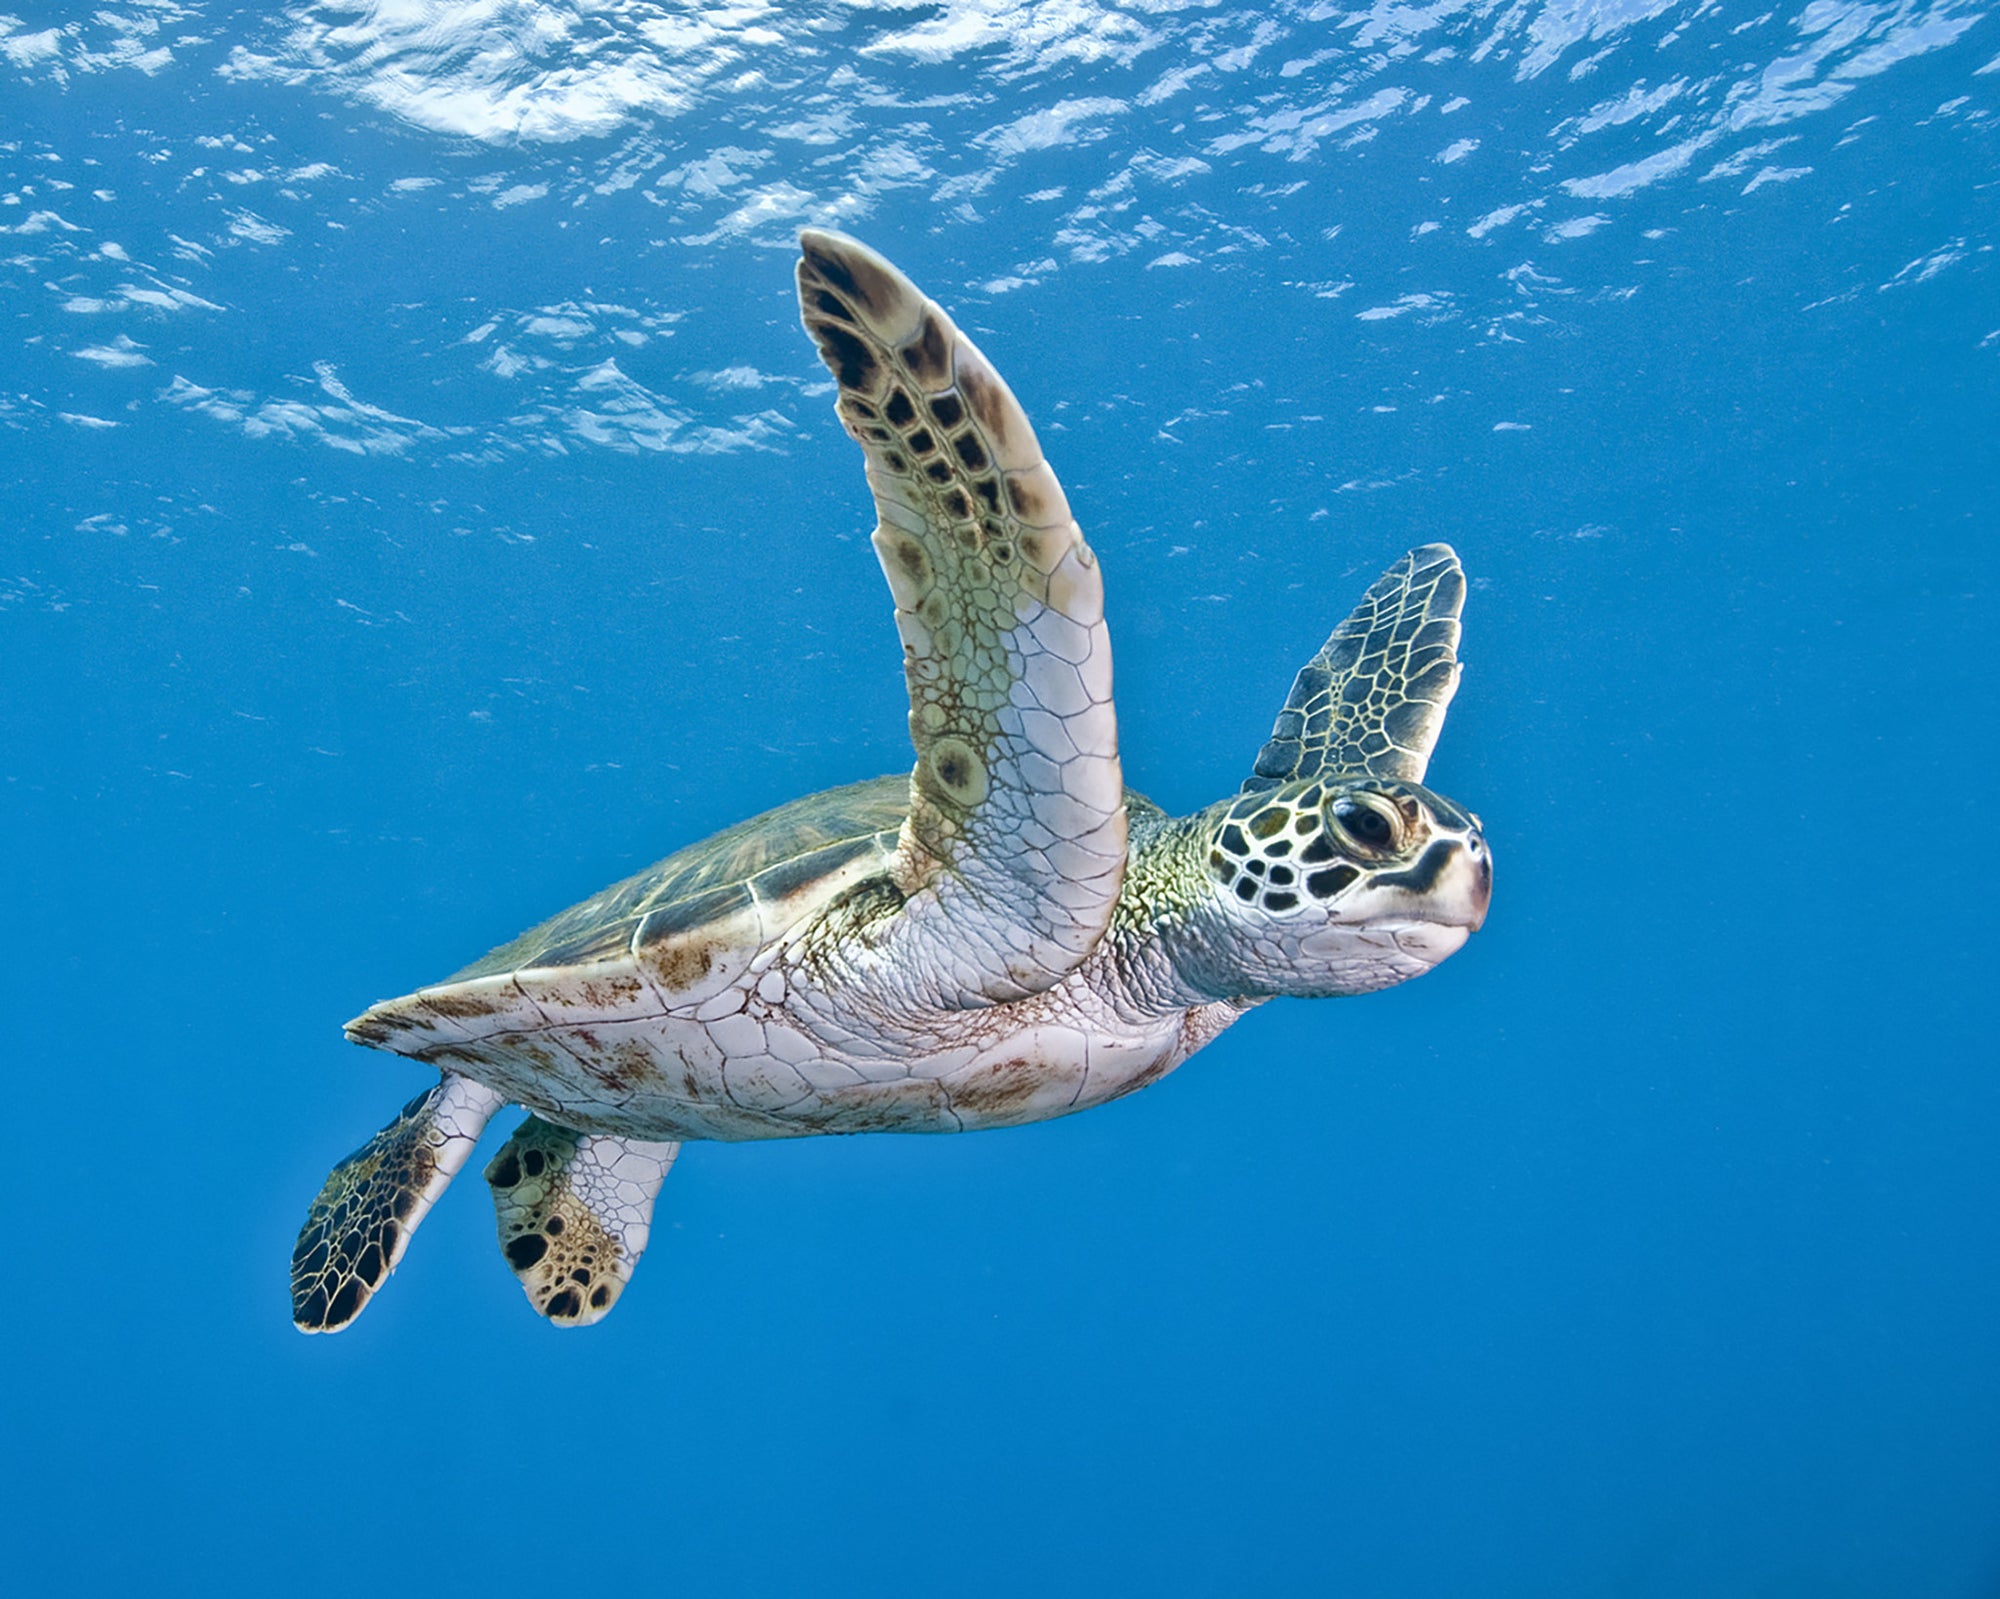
361	1223
575	1212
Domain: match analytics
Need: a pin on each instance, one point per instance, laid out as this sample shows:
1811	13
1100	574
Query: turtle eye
1373	828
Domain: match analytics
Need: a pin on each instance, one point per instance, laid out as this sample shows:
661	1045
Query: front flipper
361	1223
1373	700
575	1212
1014	850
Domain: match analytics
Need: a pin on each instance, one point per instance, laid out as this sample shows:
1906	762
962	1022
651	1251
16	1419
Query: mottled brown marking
608	993
850	361
1028	504
831	267
462	1006
611	1073
1267	823
1146	1077
987	400
928	355
453	1054
947	410
1000	1090
627	1066
680	964
864	283
873	1108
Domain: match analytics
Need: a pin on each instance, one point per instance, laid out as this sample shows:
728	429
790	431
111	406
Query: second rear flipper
575	1211
362	1220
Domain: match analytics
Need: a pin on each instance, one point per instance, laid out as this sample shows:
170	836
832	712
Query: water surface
425	508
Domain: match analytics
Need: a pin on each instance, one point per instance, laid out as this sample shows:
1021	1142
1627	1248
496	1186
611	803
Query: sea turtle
1006	934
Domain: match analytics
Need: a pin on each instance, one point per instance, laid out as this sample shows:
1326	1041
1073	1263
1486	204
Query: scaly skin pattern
1003	936
1373	699
362	1220
575	1211
1014	848
814	1030
818	1033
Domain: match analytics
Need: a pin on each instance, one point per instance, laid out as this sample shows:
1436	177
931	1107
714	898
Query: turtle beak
1449	885
1455	906
1478	858
1459	887
1464	889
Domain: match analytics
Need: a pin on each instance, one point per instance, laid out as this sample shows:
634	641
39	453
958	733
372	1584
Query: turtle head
1339	884
1335	871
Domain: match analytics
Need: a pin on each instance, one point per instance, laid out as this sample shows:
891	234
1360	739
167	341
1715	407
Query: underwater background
424	508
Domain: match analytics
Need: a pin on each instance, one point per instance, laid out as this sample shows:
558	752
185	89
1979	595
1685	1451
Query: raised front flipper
575	1211
1373	700
1014	850
361	1223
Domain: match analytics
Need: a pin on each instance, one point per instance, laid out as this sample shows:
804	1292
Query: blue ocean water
424	508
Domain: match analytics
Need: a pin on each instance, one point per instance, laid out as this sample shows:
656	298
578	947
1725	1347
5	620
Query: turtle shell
766	858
